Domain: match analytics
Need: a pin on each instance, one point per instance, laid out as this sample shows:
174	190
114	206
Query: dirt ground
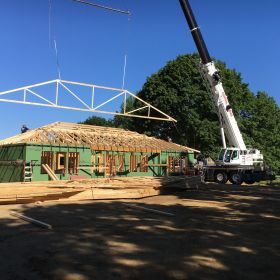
217	232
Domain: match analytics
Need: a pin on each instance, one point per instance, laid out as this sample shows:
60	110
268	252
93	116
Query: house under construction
62	151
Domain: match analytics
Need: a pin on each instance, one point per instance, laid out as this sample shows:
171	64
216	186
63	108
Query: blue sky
92	43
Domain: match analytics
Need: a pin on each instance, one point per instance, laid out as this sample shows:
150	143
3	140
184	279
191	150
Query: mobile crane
236	162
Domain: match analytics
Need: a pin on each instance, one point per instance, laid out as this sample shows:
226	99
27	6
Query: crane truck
235	162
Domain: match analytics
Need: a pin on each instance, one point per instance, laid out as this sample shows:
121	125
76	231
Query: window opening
235	155
100	163
60	162
46	158
228	155
121	163
110	165
133	163
144	164
73	162
170	164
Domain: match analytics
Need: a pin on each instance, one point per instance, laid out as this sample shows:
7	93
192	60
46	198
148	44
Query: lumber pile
116	188
130	188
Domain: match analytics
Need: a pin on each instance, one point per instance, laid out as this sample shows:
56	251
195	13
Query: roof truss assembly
96	137
85	97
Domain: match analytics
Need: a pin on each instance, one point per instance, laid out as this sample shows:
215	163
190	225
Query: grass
275	183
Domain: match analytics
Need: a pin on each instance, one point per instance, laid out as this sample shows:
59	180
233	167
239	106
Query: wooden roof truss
38	95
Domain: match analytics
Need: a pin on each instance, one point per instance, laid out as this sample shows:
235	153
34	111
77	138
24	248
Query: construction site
82	201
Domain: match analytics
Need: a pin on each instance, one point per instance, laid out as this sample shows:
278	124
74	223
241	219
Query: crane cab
235	156
230	156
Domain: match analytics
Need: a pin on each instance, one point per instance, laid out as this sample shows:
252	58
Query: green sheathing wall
34	153
11	163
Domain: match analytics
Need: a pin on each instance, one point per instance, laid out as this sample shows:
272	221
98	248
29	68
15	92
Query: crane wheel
249	182
221	177
236	179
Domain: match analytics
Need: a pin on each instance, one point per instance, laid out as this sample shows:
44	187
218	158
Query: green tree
262	128
99	121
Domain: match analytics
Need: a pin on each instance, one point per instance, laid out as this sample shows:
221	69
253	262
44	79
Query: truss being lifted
87	102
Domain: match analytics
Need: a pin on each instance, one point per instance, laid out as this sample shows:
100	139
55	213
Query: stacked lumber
116	188
24	197
125	188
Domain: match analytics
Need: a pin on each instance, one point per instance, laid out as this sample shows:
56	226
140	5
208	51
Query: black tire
249	182
221	177
236	178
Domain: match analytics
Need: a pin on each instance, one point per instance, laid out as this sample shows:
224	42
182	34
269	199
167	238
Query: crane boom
211	74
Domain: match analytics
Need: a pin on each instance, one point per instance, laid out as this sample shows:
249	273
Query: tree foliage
178	90
99	121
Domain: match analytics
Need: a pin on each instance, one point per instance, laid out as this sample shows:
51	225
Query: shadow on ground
231	235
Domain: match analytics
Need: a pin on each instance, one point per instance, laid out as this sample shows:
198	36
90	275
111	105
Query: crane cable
126	42
103	7
124	71
57	61
52	40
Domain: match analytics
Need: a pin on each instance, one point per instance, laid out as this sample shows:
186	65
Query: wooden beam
50	172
